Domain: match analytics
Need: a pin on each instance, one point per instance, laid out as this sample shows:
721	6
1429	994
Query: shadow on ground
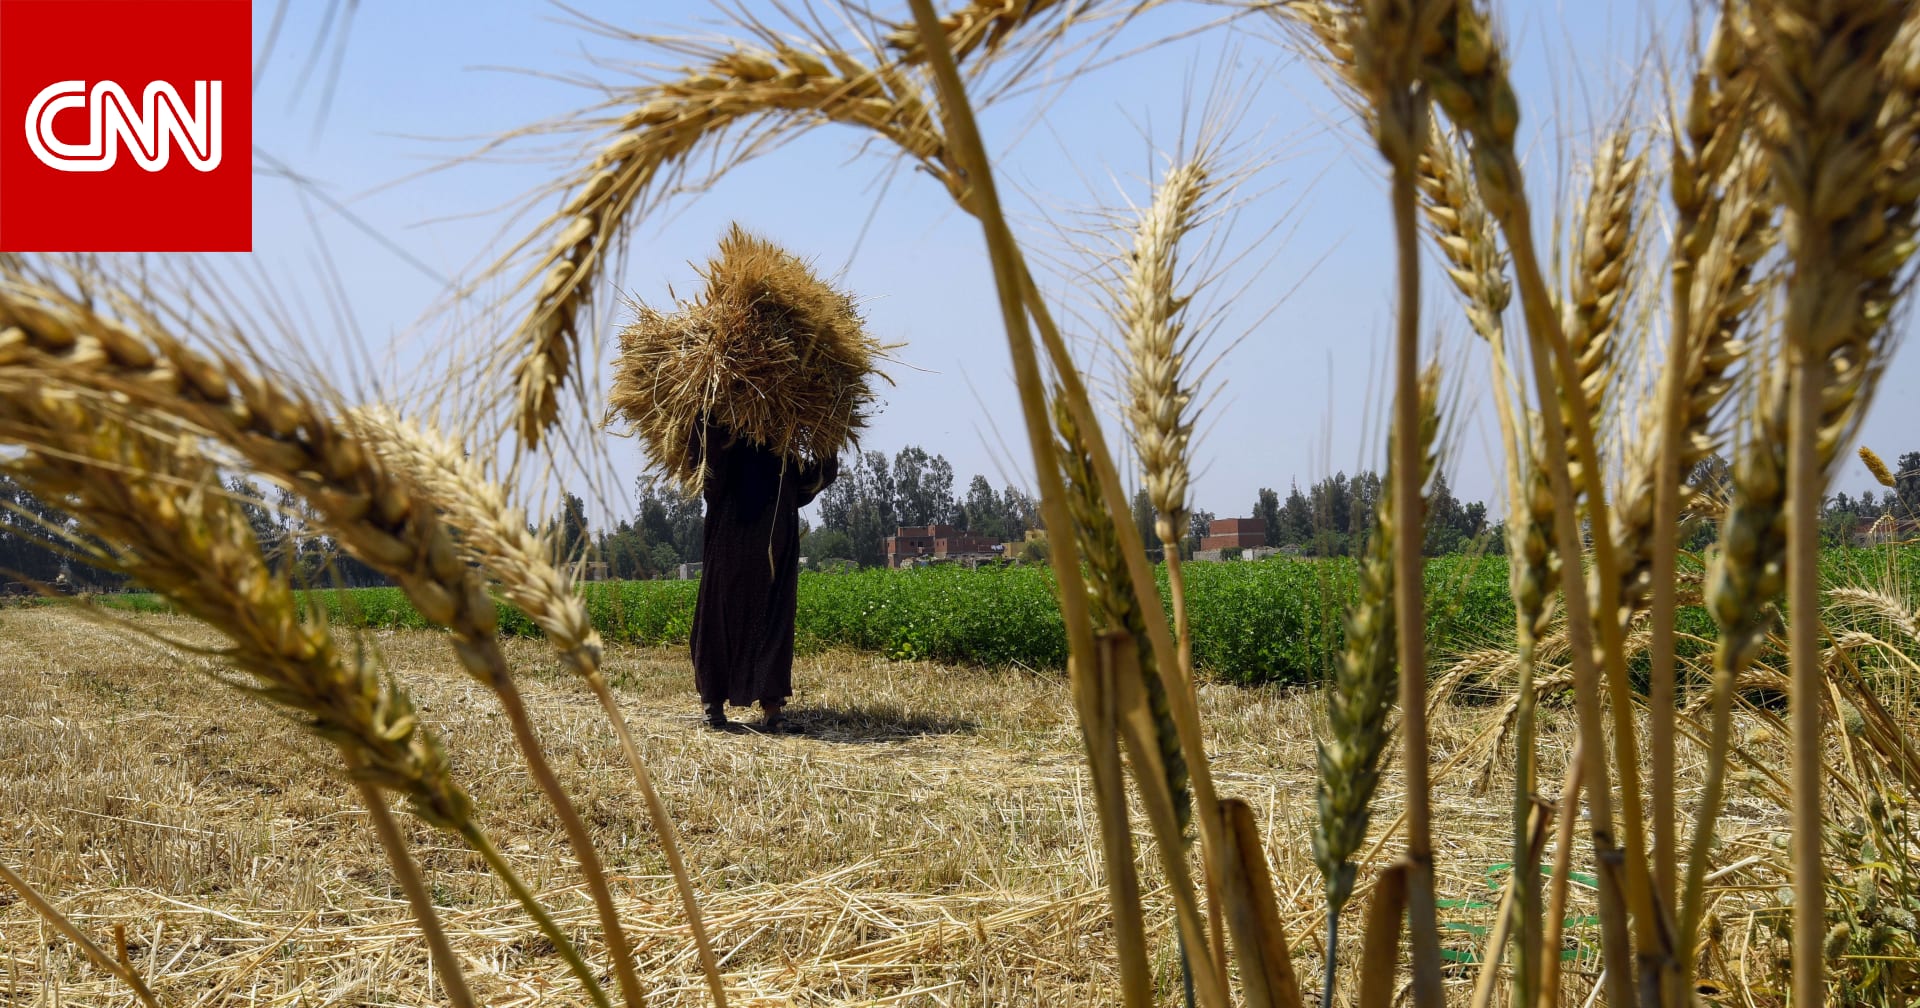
873	724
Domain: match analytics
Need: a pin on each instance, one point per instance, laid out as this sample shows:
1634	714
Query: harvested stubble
768	351
862	864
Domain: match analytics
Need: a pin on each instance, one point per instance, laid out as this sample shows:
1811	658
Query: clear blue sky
1300	396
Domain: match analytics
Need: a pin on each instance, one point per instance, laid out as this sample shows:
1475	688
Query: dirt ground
929	842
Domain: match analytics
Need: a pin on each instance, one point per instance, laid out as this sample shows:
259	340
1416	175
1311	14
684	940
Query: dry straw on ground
767	351
863	863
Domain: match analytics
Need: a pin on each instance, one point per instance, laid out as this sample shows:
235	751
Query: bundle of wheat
768	351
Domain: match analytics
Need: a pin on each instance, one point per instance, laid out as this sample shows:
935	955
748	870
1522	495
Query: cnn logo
112	119
118	118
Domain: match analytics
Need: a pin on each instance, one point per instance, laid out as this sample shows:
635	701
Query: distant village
920	545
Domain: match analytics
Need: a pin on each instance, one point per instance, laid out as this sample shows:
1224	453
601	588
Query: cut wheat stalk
1094	703
1556	912
1843	78
496	536
120	968
1266	965
1380	944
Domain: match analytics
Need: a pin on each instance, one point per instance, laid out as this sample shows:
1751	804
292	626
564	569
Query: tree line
1333	516
873	497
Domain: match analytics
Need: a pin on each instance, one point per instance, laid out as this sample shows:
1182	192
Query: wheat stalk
1114	603
1723	212
496	536
1722	228
1390	37
1467	72
1467	237
1144	714
1843	77
1362	690
1093	702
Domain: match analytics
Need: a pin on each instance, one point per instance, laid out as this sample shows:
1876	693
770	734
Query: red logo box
126	126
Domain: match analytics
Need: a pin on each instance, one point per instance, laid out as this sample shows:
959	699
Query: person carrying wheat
750	572
748	393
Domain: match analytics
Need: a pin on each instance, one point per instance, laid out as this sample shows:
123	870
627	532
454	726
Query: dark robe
750	570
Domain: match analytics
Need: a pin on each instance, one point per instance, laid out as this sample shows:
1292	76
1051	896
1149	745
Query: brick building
1235	533
936	542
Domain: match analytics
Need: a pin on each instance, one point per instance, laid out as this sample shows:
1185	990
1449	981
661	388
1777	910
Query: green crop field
1276	620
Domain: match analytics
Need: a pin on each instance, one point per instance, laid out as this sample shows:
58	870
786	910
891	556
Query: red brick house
1235	533
936	542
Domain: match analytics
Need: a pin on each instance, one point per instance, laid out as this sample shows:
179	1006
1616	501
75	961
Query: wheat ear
1160	384
158	501
1361	693
1605	257
495	535
975	25
1844	162
1878	467
363	502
